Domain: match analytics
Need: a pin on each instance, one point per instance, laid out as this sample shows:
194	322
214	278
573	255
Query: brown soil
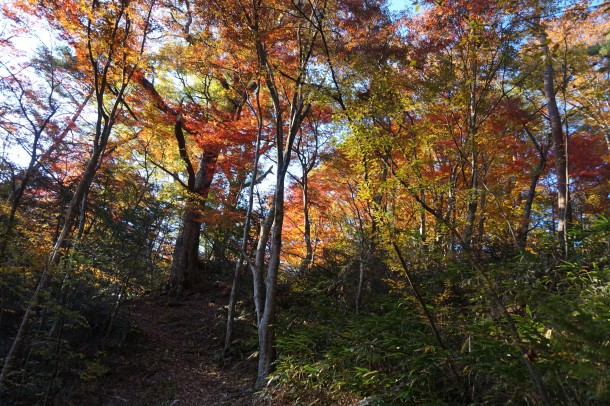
176	359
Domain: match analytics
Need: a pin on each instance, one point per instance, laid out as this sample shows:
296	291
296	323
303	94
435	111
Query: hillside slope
173	358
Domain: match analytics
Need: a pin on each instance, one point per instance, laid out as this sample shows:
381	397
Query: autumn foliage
408	205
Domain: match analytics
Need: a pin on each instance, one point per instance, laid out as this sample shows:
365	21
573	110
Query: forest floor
176	357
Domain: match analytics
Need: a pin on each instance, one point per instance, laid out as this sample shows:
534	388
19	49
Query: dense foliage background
406	205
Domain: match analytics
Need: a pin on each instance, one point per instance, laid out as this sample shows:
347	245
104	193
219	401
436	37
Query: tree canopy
404	207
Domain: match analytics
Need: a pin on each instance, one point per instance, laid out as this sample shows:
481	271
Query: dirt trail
176	360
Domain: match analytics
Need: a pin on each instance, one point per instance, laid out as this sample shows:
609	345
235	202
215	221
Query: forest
305	202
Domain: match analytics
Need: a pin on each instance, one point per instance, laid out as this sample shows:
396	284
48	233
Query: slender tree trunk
366	259
429	316
362	265
448	245
470	217
607	138
266	335
527	210
531	194
266	332
559	150
244	242
70	217
35	163
284	141
15	198
105	124
259	264
115	310
481	226
308	159
473	192
422	222
105	120
517	339
308	260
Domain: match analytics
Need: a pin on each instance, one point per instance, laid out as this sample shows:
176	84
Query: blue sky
399	5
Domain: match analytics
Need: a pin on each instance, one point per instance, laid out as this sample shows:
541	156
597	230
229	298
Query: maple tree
420	198
213	132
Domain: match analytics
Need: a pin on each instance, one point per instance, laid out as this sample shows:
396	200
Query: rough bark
186	250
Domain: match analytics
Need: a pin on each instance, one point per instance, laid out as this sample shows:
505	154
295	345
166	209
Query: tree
559	145
207	103
308	146
284	141
36	113
112	39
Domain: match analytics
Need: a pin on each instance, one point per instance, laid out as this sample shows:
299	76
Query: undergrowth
388	355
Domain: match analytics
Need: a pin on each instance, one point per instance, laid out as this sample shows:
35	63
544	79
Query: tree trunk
186	250
481	226
308	260
244	241
561	169
472	210
473	192
107	114
531	194
259	265
422	222
429	316
448	244
70	217
366	255
266	333
284	141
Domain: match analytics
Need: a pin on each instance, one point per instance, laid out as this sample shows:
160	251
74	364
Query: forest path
176	359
